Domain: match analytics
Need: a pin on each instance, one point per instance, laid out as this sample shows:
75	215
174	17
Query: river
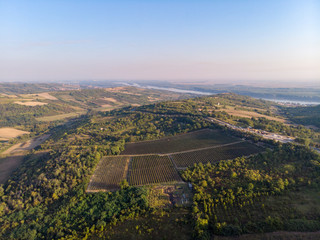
284	101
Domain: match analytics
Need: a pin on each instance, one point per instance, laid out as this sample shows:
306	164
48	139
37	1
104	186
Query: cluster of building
262	133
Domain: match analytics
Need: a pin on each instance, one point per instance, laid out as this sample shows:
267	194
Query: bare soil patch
31	103
46	96
9	95
8	165
110	99
106	105
7	132
28	145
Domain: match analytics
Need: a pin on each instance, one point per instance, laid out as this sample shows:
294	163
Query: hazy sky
221	40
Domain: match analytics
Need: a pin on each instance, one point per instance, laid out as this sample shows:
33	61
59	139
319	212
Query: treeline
19	115
29	88
235	197
304	115
236	100
202	106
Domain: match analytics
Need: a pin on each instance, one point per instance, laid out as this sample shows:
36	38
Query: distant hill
305	115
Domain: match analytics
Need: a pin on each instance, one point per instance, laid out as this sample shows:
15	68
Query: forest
254	195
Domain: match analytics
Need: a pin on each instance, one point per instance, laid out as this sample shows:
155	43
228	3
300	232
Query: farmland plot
215	154
109	173
187	141
152	169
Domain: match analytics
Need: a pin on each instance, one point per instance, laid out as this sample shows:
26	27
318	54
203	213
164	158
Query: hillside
309	116
145	188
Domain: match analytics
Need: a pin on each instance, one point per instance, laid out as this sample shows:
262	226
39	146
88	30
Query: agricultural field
8	165
108	174
27	145
31	103
59	116
8	133
187	141
44	95
249	114
152	169
214	154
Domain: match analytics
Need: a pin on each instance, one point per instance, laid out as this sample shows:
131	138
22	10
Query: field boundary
129	169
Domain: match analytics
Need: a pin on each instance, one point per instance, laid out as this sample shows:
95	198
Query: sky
171	40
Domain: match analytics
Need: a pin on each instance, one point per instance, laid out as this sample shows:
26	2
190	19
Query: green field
215	154
192	140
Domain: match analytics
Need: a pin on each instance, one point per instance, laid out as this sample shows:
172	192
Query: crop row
215	154
152	169
109	173
192	140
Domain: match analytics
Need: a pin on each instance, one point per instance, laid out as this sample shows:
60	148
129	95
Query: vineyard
109	173
201	146
187	159
187	141
152	169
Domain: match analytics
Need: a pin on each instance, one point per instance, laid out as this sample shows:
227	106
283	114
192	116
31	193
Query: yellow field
248	114
31	103
59	116
9	96
7	133
42	95
110	99
25	146
105	107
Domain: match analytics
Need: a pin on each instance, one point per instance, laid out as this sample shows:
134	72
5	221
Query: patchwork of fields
153	162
